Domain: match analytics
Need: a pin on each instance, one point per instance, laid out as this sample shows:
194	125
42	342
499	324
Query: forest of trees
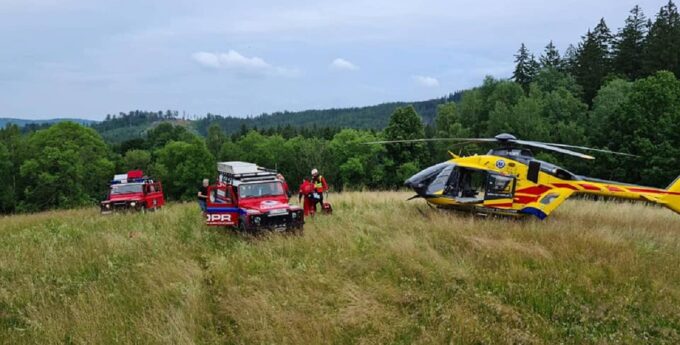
121	127
618	91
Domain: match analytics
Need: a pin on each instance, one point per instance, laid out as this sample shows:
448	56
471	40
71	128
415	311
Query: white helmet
314	171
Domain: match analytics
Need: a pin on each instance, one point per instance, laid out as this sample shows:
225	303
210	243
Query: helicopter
509	181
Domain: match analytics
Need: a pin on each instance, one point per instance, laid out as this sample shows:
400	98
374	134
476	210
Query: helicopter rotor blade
546	146
471	140
506	139
592	149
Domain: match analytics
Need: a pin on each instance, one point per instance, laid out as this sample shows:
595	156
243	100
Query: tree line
638	49
68	165
635	108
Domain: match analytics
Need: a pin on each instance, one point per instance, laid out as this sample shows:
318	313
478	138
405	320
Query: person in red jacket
320	186
306	191
284	183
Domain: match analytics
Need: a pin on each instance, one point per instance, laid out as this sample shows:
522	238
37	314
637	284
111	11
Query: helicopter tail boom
672	197
669	197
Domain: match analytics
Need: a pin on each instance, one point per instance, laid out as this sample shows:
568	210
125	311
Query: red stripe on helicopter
535	190
564	185
589	186
652	191
521	199
506	205
615	189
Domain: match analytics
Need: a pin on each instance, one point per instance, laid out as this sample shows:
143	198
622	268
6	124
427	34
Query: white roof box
237	168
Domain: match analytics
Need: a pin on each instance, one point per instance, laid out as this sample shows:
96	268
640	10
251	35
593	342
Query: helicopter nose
415	186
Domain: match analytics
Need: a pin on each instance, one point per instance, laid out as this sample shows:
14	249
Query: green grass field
379	271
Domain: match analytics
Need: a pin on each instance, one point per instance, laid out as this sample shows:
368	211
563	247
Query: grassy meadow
381	270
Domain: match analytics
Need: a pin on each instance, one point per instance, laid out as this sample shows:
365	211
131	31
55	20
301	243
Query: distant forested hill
24	122
125	126
370	117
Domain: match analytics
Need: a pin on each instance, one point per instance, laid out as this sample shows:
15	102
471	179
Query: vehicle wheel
241	225
296	230
255	231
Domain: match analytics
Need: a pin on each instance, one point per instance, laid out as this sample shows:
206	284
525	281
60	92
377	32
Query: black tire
295	230
241	225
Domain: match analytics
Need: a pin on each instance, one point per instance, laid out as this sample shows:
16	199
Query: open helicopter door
499	190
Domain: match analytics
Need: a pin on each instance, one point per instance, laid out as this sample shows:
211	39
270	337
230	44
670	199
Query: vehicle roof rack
132	176
244	172
131	180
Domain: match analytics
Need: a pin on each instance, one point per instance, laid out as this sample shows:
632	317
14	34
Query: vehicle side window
219	196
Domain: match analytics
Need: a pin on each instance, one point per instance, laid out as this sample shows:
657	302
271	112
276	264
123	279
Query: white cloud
342	64
426	81
207	59
235	61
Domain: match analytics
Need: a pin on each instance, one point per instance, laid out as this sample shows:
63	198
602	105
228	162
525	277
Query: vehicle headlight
133	204
257	220
108	205
294	215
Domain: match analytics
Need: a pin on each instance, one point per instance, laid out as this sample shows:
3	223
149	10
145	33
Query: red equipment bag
132	174
327	208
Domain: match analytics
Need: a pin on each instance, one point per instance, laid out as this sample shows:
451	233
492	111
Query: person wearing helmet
320	186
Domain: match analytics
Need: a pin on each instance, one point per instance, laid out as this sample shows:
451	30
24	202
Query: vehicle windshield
260	189
126	188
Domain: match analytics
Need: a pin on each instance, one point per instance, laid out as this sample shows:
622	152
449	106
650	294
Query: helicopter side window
499	187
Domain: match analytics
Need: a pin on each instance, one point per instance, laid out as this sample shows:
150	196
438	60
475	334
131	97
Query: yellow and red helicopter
508	180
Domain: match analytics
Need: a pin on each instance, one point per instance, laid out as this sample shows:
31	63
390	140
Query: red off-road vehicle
251	198
133	192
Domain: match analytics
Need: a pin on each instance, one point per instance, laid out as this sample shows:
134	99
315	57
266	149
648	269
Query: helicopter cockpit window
428	173
440	182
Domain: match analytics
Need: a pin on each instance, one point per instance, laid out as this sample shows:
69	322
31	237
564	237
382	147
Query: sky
89	58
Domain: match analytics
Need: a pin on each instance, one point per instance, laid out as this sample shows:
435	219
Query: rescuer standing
306	192
203	194
320	186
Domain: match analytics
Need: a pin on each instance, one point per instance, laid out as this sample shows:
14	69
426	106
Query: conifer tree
593	60
662	48
629	45
568	64
525	67
551	57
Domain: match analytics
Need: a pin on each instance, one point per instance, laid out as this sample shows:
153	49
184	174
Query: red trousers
308	206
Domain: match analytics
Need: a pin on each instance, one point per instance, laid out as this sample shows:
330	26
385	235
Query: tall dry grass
379	271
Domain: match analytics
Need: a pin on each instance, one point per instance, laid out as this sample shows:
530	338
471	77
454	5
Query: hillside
23	122
380	270
370	117
134	124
